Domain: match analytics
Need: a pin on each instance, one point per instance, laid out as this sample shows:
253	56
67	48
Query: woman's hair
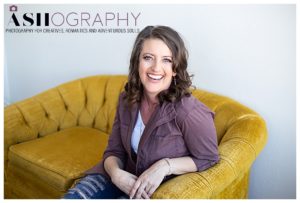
134	88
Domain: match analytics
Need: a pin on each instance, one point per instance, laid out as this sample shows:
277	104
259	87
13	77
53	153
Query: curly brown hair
134	87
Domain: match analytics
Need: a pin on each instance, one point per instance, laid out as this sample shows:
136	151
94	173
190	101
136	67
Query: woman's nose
156	66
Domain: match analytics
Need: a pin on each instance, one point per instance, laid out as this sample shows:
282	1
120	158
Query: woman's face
155	67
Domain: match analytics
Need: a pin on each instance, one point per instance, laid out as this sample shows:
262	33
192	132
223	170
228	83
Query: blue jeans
95	186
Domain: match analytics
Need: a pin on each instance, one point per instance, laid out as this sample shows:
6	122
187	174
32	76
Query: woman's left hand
150	179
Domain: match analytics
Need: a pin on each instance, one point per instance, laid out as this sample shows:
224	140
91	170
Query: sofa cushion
61	157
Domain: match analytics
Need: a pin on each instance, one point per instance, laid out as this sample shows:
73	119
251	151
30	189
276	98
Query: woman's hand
125	181
149	181
122	179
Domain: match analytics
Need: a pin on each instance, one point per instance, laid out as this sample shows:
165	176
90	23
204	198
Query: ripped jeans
95	186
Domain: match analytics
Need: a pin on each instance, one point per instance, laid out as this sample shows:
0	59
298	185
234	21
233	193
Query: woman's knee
95	186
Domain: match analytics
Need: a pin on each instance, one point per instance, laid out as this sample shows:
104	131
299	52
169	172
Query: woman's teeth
155	77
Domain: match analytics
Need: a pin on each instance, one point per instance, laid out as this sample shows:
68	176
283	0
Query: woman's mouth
155	77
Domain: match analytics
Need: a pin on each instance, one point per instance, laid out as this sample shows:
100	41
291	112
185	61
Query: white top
137	133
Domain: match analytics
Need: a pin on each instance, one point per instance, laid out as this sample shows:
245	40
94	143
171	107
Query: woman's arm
112	165
200	136
180	165
151	178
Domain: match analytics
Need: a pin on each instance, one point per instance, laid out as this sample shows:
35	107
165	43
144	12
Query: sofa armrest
239	147
198	185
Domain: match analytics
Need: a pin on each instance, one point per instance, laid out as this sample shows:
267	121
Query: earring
174	80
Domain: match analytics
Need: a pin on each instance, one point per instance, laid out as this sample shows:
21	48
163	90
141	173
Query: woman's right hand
125	181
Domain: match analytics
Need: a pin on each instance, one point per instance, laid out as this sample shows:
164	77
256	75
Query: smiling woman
171	52
155	69
160	129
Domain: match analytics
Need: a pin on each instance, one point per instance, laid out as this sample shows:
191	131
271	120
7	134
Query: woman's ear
174	74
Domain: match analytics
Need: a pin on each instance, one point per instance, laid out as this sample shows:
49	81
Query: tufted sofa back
88	102
228	112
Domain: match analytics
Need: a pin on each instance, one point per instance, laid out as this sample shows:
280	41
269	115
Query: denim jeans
95	186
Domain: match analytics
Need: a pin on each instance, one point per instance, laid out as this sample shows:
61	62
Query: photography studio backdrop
246	52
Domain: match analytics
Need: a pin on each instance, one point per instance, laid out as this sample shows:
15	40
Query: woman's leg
95	186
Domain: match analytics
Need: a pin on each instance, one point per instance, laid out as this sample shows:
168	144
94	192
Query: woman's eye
167	60
147	58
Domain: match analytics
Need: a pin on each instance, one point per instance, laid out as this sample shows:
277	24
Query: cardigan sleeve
200	136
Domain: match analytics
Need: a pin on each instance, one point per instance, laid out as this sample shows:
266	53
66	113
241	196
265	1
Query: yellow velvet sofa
50	139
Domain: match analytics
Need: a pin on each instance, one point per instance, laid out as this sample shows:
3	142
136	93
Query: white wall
246	52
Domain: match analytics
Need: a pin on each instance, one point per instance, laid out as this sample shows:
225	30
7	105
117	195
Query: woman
160	129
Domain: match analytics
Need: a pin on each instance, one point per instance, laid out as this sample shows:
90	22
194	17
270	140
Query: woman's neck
151	100
148	106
